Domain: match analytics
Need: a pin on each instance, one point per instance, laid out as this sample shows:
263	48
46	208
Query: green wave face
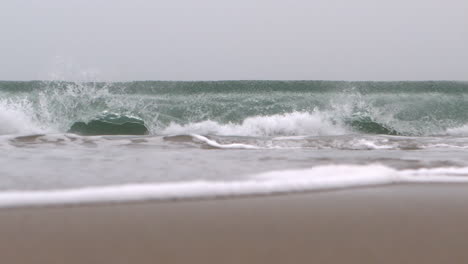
110	124
394	108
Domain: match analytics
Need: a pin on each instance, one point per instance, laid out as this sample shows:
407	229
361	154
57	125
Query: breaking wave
290	124
241	108
458	131
17	118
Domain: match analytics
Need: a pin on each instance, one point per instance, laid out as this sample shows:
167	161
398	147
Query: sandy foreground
389	224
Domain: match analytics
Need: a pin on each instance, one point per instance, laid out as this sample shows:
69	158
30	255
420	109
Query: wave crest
16	118
458	131
290	124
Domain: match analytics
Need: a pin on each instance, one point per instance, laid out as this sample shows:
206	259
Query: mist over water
214	138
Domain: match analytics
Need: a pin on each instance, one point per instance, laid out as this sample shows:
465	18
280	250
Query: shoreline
398	223
198	199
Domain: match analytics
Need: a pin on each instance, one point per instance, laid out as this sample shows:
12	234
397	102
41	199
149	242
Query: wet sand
389	224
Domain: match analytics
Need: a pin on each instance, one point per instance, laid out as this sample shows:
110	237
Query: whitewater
224	139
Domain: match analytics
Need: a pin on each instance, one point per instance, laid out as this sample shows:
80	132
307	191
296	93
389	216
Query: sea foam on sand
286	181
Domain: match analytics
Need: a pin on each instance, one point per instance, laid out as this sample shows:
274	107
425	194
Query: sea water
227	138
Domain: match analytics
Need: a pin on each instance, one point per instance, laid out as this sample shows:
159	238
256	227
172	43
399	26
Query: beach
402	223
235	132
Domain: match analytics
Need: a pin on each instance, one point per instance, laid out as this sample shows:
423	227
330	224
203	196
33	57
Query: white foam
369	144
317	178
449	174
290	124
458	131
215	144
14	118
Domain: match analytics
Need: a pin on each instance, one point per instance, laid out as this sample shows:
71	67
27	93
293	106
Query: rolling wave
241	108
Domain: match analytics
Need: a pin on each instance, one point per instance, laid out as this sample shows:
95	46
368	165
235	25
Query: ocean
208	139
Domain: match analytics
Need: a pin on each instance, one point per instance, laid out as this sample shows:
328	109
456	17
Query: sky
117	40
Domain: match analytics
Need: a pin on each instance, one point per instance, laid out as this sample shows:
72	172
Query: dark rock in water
110	124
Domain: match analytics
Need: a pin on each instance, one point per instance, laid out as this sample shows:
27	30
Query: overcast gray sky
242	39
